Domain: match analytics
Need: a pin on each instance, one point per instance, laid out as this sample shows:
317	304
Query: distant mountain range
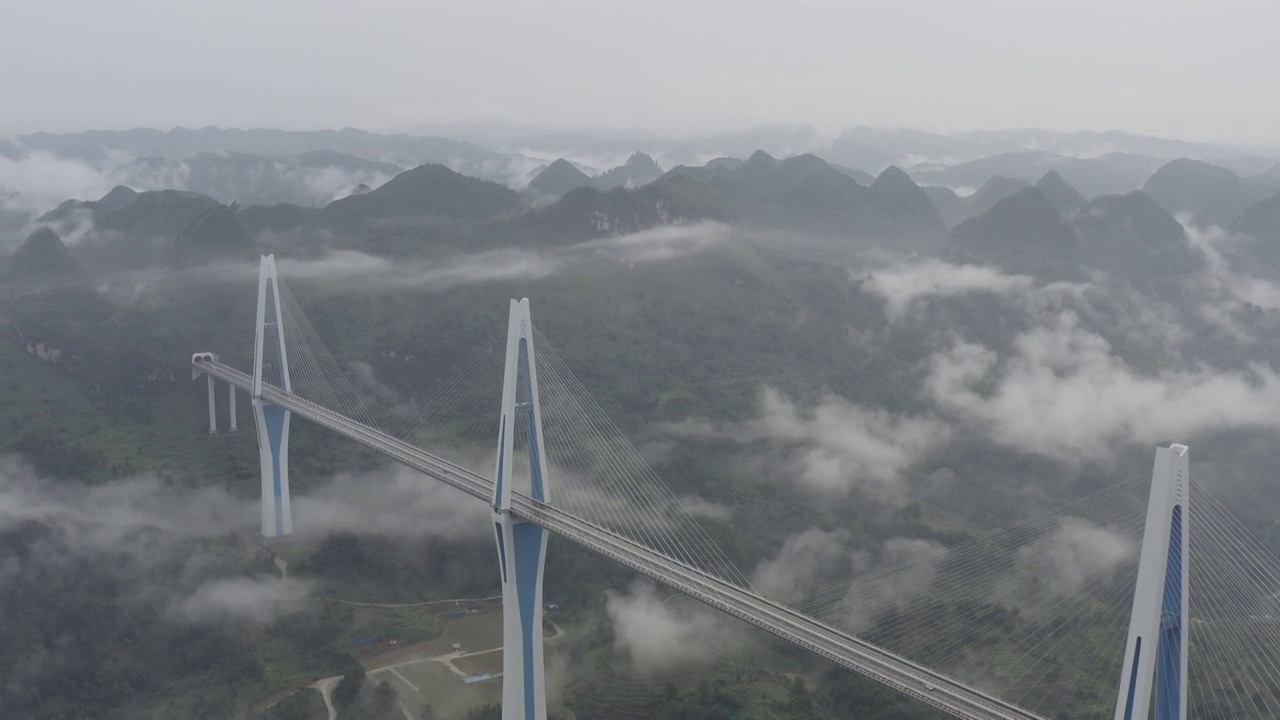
562	176
1045	231
1049	209
864	148
1210	195
801	205
1104	175
313	168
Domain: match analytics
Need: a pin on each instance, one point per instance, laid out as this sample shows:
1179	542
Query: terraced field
480	663
433	683
481	631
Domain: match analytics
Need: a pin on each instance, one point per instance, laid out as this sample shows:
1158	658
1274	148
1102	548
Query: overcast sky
1196	69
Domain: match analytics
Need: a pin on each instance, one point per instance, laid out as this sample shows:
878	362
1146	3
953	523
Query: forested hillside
816	367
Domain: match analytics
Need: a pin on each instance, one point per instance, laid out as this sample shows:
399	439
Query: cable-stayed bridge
926	628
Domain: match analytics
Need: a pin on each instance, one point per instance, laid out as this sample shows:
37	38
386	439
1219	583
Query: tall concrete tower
272	420
1155	658
522	546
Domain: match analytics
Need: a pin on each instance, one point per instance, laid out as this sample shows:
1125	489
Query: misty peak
42	257
119	196
218	231
557	179
995	189
560	165
1023	233
1132	235
807	161
639	169
1001	184
427	190
44	238
641	160
760	162
1029	201
728	163
1188	185
1187	167
1064	198
894	178
1262	220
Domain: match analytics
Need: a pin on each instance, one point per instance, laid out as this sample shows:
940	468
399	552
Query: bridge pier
1156	652
522	545
231	402
213	407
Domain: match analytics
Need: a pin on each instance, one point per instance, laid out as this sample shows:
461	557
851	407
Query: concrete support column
213	407
231	402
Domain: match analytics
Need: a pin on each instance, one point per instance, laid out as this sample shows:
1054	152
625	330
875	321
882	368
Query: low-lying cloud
805	558
260	599
37	182
664	242
1076	554
43	179
907	285
1063	393
396	501
834	446
1227	288
892	577
903	285
146	523
663	633
344	270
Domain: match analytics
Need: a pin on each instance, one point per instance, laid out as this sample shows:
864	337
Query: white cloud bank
659	633
903	285
347	269
1064	394
835	446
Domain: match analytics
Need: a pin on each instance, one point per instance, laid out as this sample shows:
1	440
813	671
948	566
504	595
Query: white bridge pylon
522	545
272	420
1155	659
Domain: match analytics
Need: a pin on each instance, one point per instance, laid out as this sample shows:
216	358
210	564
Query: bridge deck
928	686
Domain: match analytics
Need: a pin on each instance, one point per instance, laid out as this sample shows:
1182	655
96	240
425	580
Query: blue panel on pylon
273	416
528	551
530	423
502	551
502	456
1133	678
1169	655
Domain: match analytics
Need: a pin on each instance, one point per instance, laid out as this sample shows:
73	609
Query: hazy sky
1197	69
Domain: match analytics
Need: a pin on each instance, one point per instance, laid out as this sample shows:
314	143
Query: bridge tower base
272	420
522	546
1155	660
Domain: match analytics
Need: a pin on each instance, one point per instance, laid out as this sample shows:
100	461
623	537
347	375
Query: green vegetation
96	395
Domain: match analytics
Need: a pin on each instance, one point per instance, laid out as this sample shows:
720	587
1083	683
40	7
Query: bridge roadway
928	686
